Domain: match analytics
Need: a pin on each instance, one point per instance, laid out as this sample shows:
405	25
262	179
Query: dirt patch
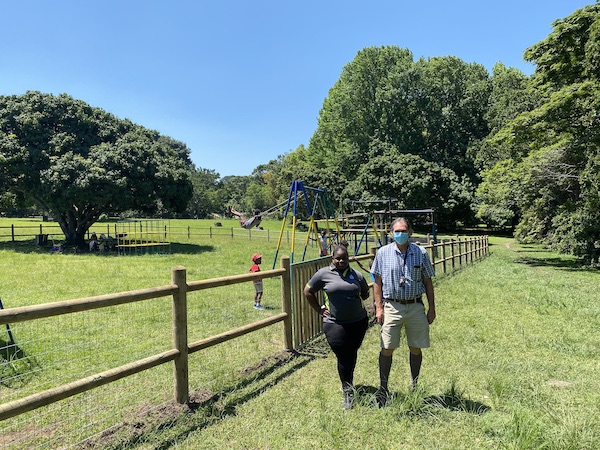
152	416
269	361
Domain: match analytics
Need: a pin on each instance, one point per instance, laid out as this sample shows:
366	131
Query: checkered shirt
390	264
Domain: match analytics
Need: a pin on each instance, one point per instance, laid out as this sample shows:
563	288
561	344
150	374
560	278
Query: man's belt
418	299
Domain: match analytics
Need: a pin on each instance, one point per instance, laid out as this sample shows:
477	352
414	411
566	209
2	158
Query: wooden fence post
286	296
452	253
180	338
443	256
12	231
432	244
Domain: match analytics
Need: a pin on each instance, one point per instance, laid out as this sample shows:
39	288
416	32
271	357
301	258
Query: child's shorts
258	287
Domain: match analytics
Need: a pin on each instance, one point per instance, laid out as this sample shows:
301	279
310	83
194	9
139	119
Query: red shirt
255	268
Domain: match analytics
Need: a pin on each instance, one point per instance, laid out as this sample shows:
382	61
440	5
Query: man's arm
378	296
430	299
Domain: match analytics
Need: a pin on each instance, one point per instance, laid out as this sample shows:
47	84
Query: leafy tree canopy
433	109
555	146
77	162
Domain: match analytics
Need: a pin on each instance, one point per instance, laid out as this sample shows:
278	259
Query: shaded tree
416	183
555	146
78	162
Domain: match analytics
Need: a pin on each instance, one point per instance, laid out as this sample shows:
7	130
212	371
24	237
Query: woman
344	316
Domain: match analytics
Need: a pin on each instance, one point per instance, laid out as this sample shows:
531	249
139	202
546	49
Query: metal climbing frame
321	201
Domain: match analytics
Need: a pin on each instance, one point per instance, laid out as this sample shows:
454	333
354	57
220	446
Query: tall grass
514	364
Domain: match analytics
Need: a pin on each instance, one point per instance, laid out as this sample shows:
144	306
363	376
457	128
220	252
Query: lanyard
403	278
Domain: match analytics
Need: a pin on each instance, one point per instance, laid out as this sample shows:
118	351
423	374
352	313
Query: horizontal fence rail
178	290
300	323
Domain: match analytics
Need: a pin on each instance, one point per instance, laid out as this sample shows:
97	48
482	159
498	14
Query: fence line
179	354
189	232
300	323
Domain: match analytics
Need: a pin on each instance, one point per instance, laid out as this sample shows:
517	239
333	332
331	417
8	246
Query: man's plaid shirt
393	267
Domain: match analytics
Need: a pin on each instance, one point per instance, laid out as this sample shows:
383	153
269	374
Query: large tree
555	147
78	162
208	197
433	109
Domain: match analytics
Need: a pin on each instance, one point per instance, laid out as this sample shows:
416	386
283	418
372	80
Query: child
248	223
323	243
258	284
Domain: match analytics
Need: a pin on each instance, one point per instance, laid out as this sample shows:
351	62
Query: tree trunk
75	223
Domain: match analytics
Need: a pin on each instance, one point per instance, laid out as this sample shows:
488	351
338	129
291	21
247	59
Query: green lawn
513	364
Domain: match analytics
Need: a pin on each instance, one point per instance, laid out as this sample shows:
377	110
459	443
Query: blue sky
241	82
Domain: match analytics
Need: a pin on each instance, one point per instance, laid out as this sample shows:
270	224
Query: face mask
401	238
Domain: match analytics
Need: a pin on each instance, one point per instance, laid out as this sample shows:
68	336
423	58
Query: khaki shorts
412	317
258	287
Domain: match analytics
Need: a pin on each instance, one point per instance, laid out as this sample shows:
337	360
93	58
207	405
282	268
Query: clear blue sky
241	82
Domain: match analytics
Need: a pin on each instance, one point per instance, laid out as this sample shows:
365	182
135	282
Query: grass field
514	364
514	361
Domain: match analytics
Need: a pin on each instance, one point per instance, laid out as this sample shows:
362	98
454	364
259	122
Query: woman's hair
338	248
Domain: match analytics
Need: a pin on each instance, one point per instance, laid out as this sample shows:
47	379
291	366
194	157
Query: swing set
321	202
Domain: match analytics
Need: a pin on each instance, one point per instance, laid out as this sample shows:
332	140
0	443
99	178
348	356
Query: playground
476	378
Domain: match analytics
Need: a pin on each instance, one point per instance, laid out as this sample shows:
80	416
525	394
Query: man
402	274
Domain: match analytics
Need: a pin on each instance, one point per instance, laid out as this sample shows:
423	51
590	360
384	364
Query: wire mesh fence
54	351
59	350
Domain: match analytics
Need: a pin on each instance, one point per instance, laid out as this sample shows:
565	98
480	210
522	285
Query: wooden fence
301	323
181	348
446	256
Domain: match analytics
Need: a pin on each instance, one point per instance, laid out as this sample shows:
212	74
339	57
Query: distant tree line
506	149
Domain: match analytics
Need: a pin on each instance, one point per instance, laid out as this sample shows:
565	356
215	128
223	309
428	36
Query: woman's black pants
345	340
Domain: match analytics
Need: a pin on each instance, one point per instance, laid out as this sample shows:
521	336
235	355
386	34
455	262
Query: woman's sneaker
348	402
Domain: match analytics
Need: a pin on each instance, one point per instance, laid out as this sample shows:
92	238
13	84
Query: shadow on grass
558	263
16	367
456	402
570	264
190	249
415	404
175	248
172	423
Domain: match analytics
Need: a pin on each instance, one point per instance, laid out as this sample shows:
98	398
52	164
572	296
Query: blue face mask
401	237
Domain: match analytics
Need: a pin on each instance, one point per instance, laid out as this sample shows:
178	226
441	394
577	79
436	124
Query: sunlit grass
514	360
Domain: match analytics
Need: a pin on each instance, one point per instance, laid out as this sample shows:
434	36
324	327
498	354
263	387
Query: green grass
60	350
513	363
